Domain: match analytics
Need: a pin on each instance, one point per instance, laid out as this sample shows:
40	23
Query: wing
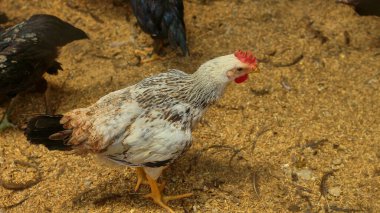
96	127
20	66
156	138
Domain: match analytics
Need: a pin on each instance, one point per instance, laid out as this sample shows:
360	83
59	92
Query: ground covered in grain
301	136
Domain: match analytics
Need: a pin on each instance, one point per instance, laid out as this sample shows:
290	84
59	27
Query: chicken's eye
239	69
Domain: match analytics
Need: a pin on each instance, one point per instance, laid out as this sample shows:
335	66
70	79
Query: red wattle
241	79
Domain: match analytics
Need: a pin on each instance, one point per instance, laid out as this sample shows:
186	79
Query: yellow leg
156	57
4	122
141	179
145	52
148	55
160	199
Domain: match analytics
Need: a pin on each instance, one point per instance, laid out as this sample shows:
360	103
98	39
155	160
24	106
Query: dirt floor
301	136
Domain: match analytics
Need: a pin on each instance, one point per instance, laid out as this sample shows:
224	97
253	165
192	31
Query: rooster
27	51
162	20
147	125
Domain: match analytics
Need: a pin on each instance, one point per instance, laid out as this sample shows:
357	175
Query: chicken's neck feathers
203	93
203	89
199	89
210	80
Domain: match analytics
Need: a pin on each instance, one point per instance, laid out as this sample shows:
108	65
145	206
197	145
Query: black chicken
27	51
163	20
364	7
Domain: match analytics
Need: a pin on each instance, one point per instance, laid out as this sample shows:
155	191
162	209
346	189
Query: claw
156	194
5	123
149	55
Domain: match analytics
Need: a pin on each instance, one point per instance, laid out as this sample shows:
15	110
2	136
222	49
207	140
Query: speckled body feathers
147	124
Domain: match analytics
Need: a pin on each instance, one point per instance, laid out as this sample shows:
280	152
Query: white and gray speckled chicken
147	125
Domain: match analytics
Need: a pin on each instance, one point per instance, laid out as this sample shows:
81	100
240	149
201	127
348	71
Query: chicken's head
233	67
245	64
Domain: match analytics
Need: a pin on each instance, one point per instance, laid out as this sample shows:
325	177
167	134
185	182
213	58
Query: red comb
246	57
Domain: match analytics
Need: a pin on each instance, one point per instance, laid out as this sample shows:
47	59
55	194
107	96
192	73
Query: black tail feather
176	26
40	128
162	20
177	35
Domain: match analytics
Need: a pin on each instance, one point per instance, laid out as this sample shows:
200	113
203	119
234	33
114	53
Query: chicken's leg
141	179
149	55
156	194
48	110
145	52
42	87
4	122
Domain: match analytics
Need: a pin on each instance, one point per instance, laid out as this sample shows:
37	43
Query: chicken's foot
146	52
4	122
153	54
159	198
